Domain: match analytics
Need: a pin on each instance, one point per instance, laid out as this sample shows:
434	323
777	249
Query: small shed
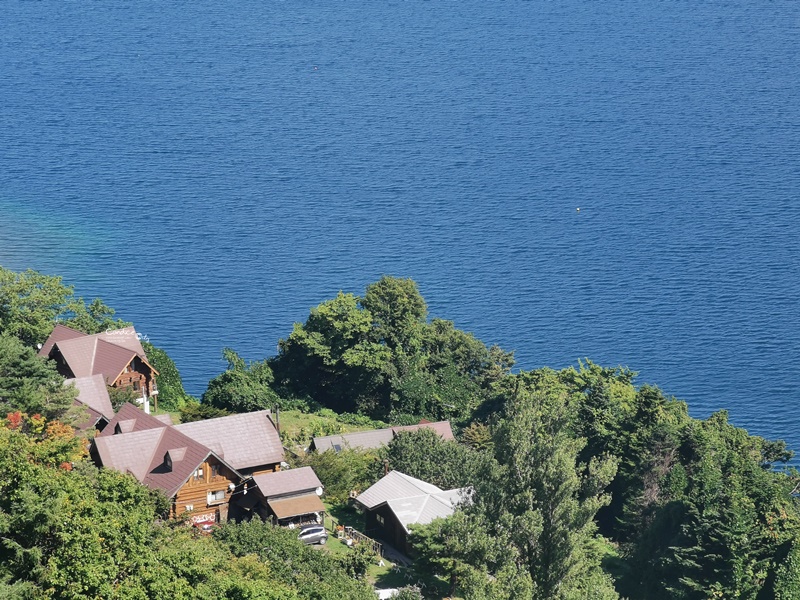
290	497
398	501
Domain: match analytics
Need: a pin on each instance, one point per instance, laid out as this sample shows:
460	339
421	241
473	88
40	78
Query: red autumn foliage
14	420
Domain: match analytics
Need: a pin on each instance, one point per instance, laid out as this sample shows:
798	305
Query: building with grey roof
398	501
375	438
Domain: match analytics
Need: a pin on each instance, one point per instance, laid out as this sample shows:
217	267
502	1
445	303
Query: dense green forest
585	484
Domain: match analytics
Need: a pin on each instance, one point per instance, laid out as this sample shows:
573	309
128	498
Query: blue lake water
213	170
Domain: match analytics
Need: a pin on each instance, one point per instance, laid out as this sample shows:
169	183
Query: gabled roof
245	440
421	510
395	485
130	419
59	334
125	337
132	453
92	392
106	353
376	438
144	453
412	500
285	483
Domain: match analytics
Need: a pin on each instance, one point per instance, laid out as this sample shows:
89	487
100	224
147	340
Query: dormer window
125	426
172	456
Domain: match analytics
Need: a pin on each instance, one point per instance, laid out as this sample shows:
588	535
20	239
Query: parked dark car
313	534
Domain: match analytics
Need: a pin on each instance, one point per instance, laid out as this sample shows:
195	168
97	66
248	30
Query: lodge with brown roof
248	441
194	463
115	354
197	480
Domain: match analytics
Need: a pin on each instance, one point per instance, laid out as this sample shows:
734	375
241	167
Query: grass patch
299	428
346	515
385	576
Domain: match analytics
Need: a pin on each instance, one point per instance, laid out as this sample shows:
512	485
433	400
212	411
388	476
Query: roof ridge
94	354
414	481
68	327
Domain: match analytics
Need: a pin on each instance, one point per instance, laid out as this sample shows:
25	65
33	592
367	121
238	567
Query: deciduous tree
31	303
242	387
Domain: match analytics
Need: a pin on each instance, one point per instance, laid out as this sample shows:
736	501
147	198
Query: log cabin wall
137	376
206	493
261	469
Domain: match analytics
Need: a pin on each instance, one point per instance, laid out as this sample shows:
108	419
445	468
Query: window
135	386
189	507
216	497
198	474
214	471
380	520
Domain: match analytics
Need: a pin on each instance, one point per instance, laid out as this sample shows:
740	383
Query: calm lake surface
213	170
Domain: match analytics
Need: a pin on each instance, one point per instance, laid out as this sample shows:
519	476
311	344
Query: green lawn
298	428
346	515
387	575
383	576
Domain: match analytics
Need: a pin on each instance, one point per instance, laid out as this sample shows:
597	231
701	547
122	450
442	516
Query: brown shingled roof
131	419
106	353
284	483
246	440
293	507
144	453
243	441
92	392
59	334
125	337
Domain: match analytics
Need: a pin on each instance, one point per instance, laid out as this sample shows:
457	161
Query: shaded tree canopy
530	527
171	395
31	303
30	383
380	355
242	387
444	463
